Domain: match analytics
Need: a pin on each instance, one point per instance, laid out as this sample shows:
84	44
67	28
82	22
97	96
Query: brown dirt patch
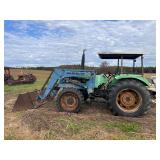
46	123
37	121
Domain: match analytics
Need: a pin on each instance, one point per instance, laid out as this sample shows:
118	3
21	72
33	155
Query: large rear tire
129	98
69	100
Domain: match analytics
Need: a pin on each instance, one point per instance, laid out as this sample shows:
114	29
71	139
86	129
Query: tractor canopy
112	55
120	57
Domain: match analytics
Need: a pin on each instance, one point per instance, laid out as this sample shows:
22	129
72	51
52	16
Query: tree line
103	68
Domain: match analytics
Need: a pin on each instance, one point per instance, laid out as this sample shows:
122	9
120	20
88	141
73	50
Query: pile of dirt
41	118
36	122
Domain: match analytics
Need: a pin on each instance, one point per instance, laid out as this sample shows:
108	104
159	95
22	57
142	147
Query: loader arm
49	84
56	79
58	74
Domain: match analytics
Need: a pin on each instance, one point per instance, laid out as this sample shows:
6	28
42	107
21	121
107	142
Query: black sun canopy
122	56
110	55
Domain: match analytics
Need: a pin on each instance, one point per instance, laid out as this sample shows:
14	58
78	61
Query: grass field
94	121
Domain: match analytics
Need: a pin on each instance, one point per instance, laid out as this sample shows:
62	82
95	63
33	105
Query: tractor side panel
100	79
70	85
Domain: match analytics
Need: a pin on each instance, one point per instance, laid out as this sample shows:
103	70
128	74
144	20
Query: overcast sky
52	43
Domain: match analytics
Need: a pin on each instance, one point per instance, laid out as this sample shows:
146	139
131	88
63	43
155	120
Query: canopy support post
121	64
118	67
134	65
142	70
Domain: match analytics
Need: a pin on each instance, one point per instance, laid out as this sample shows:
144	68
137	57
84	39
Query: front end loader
125	94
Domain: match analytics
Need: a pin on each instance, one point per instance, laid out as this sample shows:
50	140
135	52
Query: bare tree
104	67
104	64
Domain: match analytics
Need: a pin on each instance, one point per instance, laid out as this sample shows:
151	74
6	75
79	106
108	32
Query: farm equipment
152	88
22	78
7	75
125	94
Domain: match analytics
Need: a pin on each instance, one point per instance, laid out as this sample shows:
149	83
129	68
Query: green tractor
125	94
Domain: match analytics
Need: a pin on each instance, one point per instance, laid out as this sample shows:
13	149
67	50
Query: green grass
69	125
49	135
41	78
23	87
73	128
126	127
10	137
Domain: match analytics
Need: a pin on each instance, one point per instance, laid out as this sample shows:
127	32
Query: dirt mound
41	118
36	122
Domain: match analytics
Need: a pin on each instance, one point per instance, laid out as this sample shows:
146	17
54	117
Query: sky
53	43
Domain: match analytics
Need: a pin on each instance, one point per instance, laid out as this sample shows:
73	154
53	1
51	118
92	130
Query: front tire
129	98
69	100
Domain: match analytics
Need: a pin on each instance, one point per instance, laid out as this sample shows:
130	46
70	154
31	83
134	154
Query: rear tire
129	98
69	100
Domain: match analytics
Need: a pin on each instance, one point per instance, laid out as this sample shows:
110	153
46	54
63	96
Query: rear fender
131	77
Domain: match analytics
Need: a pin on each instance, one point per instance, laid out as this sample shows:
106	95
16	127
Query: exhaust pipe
83	59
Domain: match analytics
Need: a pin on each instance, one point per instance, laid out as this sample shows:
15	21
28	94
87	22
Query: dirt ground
94	121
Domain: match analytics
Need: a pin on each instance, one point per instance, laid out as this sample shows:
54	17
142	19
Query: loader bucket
25	101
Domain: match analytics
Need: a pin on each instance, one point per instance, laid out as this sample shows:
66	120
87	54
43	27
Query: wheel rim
69	101
129	100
